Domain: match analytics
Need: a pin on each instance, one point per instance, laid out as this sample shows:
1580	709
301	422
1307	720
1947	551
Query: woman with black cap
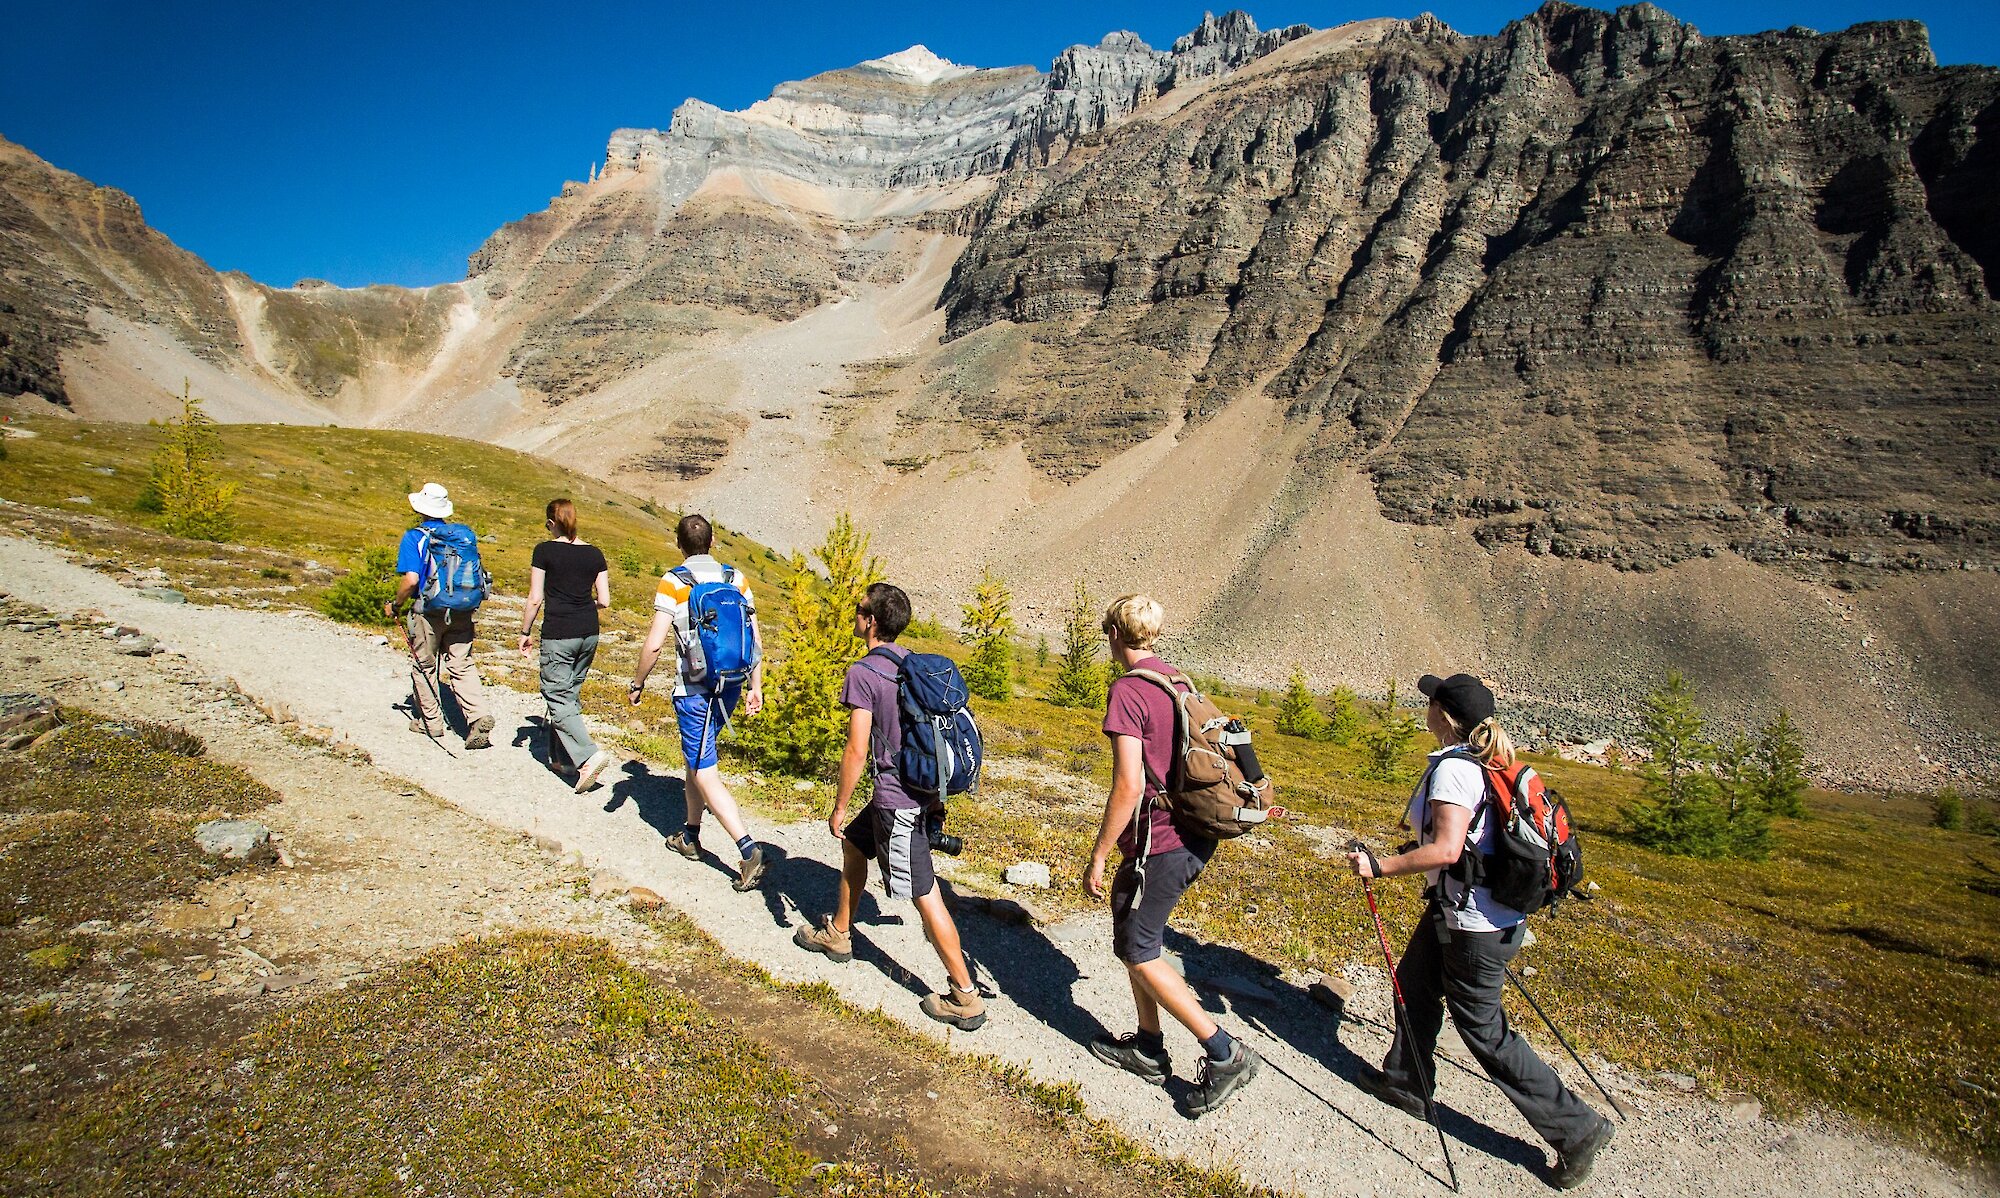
1458	955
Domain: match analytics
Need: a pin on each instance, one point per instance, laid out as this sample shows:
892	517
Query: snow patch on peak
918	65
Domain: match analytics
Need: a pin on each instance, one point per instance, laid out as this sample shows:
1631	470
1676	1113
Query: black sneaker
1573	1167
1220	1079
1128	1054
1375	1082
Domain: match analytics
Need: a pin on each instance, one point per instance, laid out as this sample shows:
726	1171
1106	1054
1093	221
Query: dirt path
1301	1126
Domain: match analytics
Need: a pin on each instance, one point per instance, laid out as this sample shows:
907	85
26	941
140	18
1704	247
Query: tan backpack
1205	791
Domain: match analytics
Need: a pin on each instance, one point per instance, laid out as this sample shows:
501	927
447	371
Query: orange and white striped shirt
671	596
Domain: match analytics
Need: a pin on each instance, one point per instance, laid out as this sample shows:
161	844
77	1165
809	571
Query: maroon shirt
1139	708
870	685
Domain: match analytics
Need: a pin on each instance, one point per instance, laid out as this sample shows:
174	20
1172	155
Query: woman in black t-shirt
572	580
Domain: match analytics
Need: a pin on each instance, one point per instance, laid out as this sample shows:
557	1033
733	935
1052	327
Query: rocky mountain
1577	353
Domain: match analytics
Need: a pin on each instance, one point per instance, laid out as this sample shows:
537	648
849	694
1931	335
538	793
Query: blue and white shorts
702	717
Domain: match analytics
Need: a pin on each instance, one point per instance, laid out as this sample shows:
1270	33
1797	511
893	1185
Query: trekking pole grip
1374	866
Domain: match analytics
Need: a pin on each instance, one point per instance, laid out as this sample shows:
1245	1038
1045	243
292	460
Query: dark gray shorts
895	839
1137	928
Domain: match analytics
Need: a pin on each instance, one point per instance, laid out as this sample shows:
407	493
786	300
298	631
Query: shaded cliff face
69	248
1607	288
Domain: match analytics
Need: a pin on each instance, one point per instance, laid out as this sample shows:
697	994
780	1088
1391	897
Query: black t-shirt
568	588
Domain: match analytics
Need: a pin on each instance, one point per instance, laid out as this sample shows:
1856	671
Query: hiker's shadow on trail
533	734
811	888
661	799
1288	1013
1020	961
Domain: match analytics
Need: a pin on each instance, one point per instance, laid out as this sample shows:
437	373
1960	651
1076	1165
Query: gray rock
164	594
138	646
233	839
1680	1081
25	713
1029	873
111	686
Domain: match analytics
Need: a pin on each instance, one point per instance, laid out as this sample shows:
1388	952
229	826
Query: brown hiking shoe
751	871
837	945
418	727
960	1008
478	736
679	843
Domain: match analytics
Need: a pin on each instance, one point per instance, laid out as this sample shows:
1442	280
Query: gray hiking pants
565	665
1465	974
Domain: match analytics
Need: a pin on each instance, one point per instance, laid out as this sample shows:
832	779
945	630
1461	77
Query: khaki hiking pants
430	637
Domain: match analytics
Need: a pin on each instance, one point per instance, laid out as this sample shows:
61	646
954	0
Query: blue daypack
454	580
720	643
941	751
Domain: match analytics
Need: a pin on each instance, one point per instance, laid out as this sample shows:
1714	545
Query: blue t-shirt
410	557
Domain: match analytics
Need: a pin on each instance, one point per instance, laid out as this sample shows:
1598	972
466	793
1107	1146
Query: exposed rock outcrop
1606	287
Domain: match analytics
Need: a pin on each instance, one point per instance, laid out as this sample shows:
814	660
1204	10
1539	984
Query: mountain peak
919	65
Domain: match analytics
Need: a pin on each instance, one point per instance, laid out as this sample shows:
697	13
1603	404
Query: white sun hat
433	501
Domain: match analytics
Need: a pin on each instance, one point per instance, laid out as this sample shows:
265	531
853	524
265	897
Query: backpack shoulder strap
1166	682
684	574
882	651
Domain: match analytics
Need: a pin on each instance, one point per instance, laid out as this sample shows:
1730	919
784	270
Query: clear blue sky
371	142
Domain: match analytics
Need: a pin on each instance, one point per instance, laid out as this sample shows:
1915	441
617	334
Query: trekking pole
1403	1012
437	697
1560	1039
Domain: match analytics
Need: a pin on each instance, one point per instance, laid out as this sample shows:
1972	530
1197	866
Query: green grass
1855	969
530	1063
326	494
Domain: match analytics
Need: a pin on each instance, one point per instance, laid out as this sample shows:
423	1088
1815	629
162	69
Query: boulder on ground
1029	873
644	898
235	839
24	718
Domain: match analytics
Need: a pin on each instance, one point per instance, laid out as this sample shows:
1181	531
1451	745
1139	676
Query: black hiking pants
1465	973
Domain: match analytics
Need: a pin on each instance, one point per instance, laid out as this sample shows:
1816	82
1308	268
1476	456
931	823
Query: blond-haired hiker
1157	864
568	581
1457	957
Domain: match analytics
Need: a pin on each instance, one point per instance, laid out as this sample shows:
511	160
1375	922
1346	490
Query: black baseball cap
1463	697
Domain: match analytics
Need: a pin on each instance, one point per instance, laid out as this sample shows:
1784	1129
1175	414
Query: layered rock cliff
1603	286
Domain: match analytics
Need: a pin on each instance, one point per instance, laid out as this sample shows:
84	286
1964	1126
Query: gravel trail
1301	1126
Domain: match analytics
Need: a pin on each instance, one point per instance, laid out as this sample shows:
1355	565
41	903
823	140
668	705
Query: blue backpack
720	644
454	578
941	751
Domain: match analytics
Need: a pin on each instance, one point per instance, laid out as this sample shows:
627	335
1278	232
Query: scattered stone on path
25	718
1683	1082
1743	1109
1332	993
92	927
163	594
802	785
1527	937
1029	873
235	839
111	686
138	646
206	975
1528	971
1012	911
272	983
608	883
1238	987
643	898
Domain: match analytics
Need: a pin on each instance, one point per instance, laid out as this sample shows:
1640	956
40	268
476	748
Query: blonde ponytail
1490	743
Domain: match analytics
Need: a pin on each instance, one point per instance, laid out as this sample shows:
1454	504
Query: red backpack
1536	860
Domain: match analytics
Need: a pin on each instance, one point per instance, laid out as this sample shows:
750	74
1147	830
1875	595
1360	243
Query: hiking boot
960	1008
1220	1079
422	729
1128	1054
679	843
1573	1167
477	737
594	768
837	945
751	871
1375	1082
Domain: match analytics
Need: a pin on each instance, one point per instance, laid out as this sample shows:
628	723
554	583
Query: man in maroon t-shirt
891	828
1157	864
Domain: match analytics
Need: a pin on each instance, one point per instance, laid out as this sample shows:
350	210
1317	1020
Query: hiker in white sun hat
433	501
439	562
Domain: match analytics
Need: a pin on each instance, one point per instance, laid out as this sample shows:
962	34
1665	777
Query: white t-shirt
1461	783
671	596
